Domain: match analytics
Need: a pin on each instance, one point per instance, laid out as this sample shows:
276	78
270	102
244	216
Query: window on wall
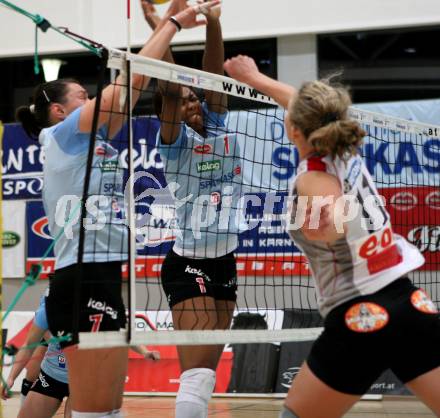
392	65
18	78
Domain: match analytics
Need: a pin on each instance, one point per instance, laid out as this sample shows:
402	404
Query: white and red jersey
370	256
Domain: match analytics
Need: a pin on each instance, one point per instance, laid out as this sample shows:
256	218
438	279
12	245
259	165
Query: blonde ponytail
321	113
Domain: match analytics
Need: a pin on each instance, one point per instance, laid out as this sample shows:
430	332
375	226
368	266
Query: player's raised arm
213	58
154	48
244	69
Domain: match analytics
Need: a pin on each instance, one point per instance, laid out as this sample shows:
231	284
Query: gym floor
163	407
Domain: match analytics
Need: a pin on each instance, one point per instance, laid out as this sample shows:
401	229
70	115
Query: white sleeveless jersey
370	256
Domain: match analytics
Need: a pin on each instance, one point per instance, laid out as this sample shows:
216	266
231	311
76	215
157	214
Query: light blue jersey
54	363
208	176
66	151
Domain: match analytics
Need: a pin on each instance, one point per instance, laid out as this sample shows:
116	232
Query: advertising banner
13	239
400	163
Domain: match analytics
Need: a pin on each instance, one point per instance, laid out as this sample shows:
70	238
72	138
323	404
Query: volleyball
158	1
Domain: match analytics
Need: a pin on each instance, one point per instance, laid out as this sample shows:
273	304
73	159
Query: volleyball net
222	185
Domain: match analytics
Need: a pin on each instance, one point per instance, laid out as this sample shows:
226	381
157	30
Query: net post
131	211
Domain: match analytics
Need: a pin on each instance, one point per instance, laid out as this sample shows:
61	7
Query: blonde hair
320	112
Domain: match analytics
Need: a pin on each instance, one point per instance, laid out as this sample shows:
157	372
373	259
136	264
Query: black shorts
396	328
101	307
49	386
186	278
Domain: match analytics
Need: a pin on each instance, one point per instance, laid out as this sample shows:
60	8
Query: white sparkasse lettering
102	306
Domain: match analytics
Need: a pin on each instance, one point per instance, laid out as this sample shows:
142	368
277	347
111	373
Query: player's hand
177	6
188	17
6	390
241	67
214	13
152	355
148	9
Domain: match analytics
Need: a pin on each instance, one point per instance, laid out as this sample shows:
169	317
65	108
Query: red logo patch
215	198
422	302
366	317
203	149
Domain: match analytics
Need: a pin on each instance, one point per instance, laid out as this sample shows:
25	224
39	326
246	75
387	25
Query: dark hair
158	100
34	119
321	113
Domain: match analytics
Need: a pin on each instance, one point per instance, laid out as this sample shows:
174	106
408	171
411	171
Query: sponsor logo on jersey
225	178
203	149
352	175
403	201
43	381
103	307
366	317
198	272
433	200
116	208
61	361
108	166
288	376
214	165
106	151
10	239
231	282
422	302
101	151
215	198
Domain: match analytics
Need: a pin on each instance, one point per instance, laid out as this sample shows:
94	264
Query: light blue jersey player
207	173
51	386
203	169
66	151
90	284
54	362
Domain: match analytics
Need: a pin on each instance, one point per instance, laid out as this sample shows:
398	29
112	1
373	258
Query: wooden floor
163	407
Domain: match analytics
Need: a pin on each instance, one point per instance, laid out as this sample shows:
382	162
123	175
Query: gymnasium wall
104	20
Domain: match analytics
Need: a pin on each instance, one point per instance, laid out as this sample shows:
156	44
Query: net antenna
284	282
131	212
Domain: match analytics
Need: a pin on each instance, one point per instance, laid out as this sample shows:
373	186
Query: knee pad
287	413
25	386
196	385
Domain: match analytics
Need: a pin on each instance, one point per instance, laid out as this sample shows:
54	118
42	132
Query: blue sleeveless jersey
208	176
54	363
66	151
